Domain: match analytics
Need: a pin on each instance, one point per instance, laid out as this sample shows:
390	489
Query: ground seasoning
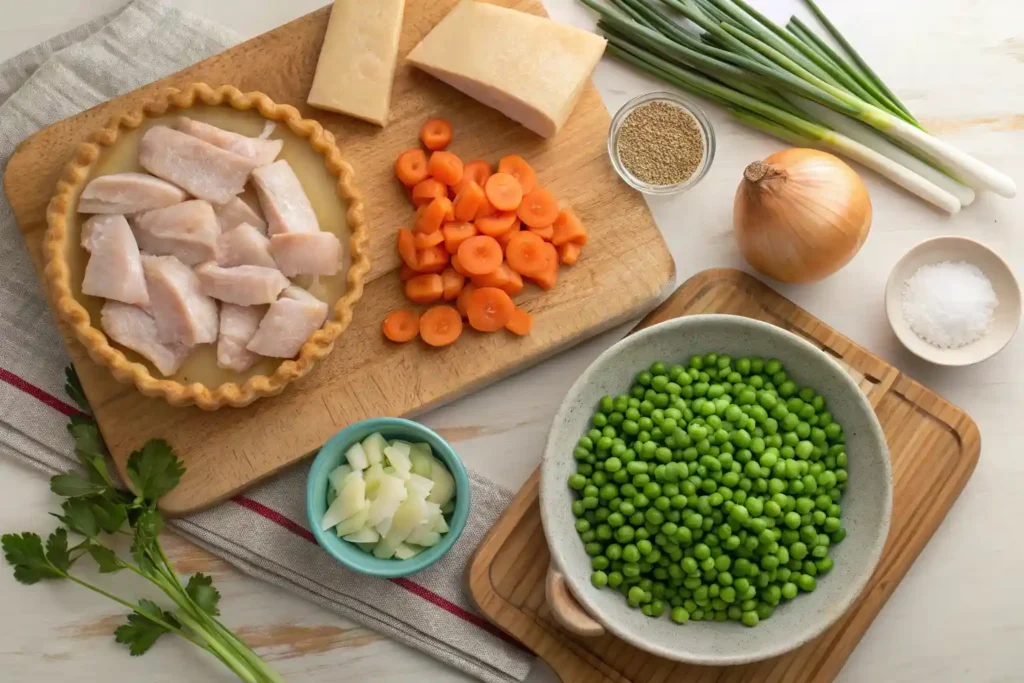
660	143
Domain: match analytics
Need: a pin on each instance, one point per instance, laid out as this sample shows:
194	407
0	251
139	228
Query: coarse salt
949	304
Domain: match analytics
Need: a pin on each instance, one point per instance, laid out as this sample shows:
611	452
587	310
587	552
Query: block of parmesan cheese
357	60
530	68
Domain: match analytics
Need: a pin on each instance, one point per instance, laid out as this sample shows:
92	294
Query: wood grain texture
934	447
365	376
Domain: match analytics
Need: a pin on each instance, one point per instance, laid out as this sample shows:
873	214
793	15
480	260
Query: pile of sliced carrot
476	235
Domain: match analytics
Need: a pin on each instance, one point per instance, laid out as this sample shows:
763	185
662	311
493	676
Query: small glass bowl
707	131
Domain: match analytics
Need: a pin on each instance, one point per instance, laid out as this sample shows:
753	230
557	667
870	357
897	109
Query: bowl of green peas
715	490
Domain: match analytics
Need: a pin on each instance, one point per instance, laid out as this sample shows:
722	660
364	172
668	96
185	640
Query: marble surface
957	617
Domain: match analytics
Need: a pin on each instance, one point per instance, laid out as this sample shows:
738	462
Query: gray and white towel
262	532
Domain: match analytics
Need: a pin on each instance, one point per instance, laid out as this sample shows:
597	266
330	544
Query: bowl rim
579	586
367	564
893	302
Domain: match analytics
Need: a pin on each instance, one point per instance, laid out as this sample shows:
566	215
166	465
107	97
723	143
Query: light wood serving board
934	447
623	271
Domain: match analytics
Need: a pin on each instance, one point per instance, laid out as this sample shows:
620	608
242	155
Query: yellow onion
800	215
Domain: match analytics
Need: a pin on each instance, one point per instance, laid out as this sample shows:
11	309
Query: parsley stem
240	667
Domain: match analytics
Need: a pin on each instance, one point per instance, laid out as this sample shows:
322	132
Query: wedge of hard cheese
530	68
357	60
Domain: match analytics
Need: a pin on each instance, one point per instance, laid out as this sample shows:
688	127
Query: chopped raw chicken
128	193
188	231
203	170
114	270
132	327
236	212
291	320
283	200
306	253
244	246
237	326
184	315
242	285
260	149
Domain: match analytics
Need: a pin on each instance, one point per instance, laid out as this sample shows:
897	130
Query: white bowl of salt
953	301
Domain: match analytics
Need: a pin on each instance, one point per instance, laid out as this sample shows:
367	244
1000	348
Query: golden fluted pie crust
62	207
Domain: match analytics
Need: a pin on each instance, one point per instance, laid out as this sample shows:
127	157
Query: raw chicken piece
242	285
132	327
306	253
283	200
291	320
237	326
187	231
236	212
244	246
259	149
114	270
128	193
184	315
203	170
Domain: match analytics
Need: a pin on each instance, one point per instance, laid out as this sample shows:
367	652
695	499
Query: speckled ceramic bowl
867	505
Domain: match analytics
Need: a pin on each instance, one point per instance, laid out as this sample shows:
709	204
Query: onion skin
800	215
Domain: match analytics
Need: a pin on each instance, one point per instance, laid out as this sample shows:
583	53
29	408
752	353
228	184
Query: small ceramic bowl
707	132
867	503
333	454
1005	318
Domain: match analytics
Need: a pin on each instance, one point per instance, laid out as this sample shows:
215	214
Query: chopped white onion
364	535
444	483
419	487
356	457
352	524
337	476
374	446
404	552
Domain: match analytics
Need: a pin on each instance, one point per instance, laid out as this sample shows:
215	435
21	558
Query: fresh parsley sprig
94	509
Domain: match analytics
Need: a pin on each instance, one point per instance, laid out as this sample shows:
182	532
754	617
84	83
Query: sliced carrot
489	309
538	208
407	248
457	266
499	278
547	278
478	170
504	192
462	303
425	240
440	325
545	233
456	233
526	254
514	284
569	253
424	289
436	134
407	273
480	255
516	166
505	238
430	217
427	191
568	228
468	201
453	283
486	210
446	167
520	322
411	167
496	225
431	260
401	326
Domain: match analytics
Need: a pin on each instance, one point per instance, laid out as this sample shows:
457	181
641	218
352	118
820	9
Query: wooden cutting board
623	271
934	447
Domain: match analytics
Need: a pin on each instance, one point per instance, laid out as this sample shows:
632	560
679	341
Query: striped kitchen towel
263	532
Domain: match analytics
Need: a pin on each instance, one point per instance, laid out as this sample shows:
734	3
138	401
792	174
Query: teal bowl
333	454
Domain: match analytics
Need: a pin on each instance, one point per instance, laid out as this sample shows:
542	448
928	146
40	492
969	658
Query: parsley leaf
141	632
79	517
73	388
105	558
74	485
200	589
91	450
154	470
147	527
109	514
57	549
25	553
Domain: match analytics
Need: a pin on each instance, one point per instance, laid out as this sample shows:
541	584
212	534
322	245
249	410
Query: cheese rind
358	58
530	68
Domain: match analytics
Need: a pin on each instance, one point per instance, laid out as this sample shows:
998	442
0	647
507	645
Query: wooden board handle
566	610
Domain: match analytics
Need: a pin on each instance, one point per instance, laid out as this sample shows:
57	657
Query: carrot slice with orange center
505	238
538	208
432	260
499	278
411	167
489	309
425	240
446	167
430	217
518	168
526	254
477	171
407	248
436	134
504	192
453	282
480	255
401	326
568	228
427	191
440	325
520	322
569	253
424	289
545	233
514	284
462	302
457	233
496	225
468	201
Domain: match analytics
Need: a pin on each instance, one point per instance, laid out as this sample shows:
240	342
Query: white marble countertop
957	617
